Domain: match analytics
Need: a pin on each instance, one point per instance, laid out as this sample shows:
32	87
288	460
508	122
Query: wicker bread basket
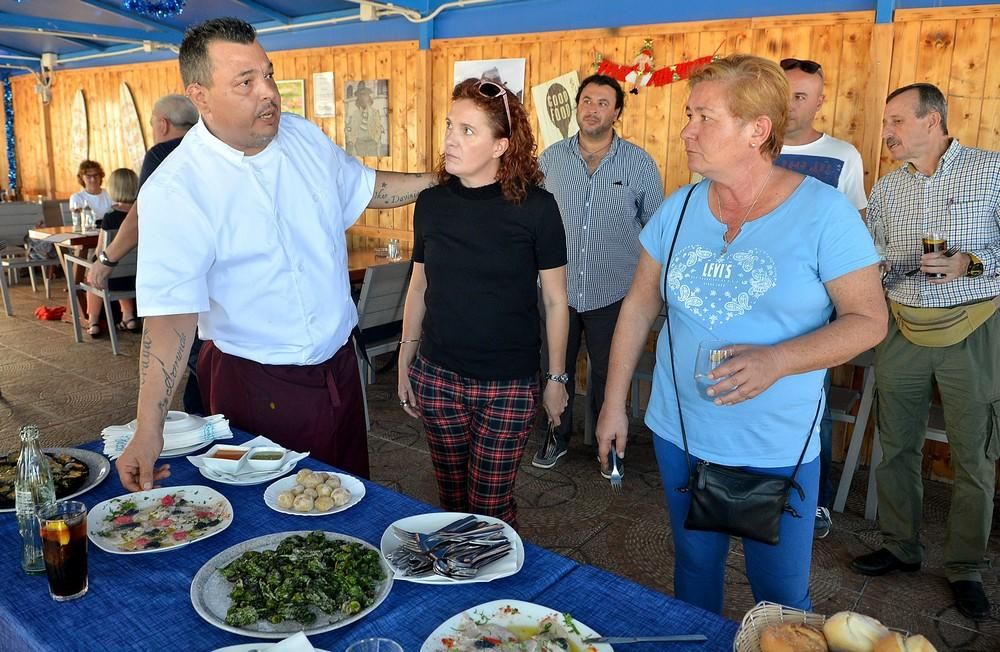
769	613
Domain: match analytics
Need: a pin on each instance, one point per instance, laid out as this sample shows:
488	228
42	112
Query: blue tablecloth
142	602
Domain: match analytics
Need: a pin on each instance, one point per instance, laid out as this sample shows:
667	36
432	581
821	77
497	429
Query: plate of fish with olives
74	471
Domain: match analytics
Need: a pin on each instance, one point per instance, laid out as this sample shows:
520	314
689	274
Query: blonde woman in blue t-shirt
762	257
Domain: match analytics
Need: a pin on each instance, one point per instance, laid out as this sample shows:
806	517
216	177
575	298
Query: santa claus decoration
641	72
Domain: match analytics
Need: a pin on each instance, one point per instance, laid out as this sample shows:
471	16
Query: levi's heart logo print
715	288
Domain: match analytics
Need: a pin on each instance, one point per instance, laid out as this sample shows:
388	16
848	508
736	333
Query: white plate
196	495
427	523
511	614
253	647
97	464
248	477
349	482
210	591
179	452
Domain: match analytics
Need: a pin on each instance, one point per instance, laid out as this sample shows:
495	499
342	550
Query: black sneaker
548	455
621	468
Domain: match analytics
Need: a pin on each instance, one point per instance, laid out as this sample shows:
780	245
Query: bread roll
852	632
896	642
792	637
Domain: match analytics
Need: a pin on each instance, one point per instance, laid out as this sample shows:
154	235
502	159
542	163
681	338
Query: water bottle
89	218
33	488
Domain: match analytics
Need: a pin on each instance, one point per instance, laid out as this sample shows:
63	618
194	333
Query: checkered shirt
962	198
603	215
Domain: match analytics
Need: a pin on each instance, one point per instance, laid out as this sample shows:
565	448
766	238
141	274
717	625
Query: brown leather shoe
881	562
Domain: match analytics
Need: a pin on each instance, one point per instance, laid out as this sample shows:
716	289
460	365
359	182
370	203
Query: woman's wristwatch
103	257
558	378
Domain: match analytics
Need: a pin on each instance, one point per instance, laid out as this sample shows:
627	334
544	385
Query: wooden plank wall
950	47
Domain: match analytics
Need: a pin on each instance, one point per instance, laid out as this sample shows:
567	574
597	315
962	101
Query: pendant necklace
739	229
589	155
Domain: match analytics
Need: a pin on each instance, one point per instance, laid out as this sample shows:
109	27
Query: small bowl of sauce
266	458
227	459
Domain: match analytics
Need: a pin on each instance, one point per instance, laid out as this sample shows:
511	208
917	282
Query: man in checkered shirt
607	189
947	187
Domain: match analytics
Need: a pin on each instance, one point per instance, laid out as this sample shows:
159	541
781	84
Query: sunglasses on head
805	65
492	91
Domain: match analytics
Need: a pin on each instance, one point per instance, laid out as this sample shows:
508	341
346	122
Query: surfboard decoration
79	137
135	145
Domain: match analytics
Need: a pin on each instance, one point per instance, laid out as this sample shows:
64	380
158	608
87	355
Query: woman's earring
753	144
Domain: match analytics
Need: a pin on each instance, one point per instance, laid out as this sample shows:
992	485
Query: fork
948	254
616	476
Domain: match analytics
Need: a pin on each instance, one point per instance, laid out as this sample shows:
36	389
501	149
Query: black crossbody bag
729	499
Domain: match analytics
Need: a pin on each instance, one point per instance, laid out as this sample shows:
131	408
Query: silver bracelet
408	341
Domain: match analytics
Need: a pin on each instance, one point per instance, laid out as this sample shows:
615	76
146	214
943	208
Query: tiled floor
72	390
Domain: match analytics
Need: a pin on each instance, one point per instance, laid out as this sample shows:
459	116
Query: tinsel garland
8	114
155	9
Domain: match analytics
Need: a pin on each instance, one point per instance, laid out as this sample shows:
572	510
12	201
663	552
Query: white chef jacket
254	244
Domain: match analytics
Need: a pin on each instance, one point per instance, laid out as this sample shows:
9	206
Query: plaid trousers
477	431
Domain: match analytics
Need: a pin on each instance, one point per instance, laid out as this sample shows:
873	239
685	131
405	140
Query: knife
677	638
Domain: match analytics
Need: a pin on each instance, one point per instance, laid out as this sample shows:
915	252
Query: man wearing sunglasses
607	189
835	162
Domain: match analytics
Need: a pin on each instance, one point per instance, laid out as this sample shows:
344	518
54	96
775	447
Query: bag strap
673	369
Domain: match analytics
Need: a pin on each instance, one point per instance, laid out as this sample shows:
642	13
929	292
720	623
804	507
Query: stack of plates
183	433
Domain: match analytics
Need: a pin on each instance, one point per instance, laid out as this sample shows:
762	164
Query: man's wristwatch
558	378
975	268
103	257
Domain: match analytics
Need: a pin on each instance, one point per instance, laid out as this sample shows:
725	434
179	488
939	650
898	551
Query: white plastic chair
16	219
841	403
383	295
126	267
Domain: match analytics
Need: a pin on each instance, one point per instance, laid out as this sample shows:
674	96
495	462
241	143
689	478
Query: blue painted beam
86	30
884	10
272	26
274	14
128	15
426	34
85	44
19	53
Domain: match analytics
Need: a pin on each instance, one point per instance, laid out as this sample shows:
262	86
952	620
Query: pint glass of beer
935	240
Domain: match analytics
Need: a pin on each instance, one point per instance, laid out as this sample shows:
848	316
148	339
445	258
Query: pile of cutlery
458	550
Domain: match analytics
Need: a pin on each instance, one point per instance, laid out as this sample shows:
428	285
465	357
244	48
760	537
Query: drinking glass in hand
935	241
64	547
711	354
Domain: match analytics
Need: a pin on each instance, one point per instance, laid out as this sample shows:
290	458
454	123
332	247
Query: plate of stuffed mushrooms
74	471
314	493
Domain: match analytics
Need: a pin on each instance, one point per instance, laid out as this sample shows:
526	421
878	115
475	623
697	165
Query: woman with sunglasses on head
482	241
751	262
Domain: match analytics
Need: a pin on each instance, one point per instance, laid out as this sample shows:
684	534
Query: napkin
295	643
292	458
116	438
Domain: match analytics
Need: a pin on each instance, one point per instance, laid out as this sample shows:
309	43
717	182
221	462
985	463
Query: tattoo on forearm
170	376
384	196
144	358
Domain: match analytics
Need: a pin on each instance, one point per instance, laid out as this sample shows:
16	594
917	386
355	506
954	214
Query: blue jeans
777	573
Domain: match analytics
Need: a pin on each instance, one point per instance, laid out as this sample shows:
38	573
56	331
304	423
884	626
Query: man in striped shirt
607	189
945	329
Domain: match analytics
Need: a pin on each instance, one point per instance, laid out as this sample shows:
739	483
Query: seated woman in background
762	257
123	186
482	239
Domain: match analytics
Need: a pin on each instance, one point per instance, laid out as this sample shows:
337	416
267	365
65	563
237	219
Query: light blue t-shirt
768	288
